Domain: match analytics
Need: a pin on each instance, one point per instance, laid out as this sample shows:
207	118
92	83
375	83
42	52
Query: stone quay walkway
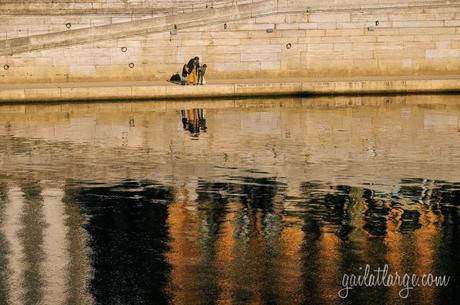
161	90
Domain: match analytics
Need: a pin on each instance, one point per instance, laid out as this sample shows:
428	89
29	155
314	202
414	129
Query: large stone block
194	50
361	16
394	39
384	54
216	58
417	24
227	42
422	38
272	19
326	25
329	17
446	37
12	94
315	33
80	70
345	32
455	44
195	42
413	52
255	41
265	34
442	53
343	47
44	94
148	91
308	40
320	47
428	31
291	26
238	66
268	88
361	54
102	60
298	18
253	27
353	25
119	59
225	34
261	49
454	23
259	57
270	65
222	50
359	46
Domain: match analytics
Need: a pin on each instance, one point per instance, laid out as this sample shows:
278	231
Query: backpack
175	78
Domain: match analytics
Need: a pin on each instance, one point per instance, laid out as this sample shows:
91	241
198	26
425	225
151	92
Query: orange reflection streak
426	240
291	240
256	258
329	275
225	248
183	225
394	243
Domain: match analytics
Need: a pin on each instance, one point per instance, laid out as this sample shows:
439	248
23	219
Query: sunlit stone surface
253	202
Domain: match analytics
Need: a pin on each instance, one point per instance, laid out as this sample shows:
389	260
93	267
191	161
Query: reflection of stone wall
340	39
371	135
264	206
106	244
44	255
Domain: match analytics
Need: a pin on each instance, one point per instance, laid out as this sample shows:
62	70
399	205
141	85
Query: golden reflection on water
271	203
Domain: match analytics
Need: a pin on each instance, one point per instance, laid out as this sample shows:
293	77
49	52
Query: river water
253	201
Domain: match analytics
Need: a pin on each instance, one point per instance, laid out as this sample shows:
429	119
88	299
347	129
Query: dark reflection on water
256	220
272	203
3	248
31	236
127	225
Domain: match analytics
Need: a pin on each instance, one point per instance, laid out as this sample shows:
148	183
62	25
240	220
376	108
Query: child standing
201	73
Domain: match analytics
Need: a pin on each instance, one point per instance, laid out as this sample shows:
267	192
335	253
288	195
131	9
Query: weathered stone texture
385	37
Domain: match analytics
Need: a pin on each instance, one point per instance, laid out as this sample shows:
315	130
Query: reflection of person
201	73
184	119
193	120
201	118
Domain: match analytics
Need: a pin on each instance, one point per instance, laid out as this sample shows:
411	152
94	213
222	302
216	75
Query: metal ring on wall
288	46
131	65
6	67
124	49
68	25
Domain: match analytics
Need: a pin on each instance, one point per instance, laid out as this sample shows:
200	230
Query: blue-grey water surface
264	201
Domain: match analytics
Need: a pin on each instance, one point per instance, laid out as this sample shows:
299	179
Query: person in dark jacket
184	75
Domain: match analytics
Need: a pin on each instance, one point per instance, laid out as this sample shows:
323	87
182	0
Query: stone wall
302	39
62	7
